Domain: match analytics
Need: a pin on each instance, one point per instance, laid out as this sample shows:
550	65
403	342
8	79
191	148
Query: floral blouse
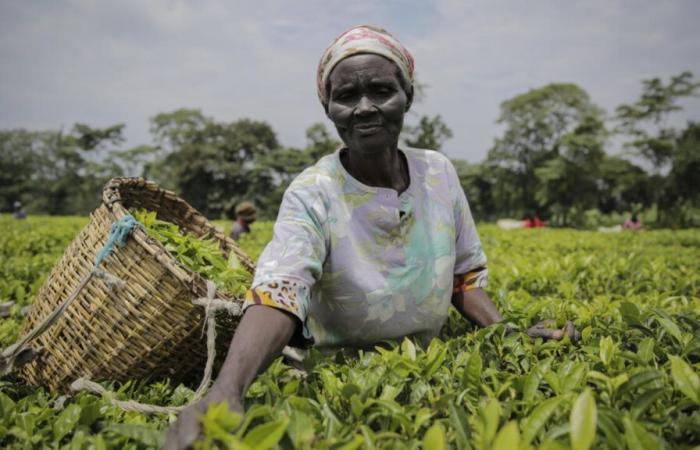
359	264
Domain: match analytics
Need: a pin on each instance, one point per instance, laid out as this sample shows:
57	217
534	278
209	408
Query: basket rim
112	200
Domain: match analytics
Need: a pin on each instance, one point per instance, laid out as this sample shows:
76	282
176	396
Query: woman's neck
386	169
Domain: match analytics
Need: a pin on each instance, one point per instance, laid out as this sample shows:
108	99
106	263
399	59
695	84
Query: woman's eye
343	96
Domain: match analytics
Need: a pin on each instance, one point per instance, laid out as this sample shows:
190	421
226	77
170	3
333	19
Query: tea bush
631	383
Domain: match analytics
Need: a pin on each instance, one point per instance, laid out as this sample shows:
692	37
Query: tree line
552	159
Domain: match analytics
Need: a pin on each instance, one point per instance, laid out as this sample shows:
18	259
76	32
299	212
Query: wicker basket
149	327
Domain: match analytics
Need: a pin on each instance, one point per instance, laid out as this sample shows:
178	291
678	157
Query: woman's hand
260	337
546	329
183	433
476	306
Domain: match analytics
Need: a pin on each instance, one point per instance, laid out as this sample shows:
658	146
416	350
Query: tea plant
632	382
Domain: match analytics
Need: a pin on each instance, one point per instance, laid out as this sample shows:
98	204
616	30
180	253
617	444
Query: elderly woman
372	243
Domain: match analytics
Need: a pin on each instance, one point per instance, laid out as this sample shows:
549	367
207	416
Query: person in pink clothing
633	223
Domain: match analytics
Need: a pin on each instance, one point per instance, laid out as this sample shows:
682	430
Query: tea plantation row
631	383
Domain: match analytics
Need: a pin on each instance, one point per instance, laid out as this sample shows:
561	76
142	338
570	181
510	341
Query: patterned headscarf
363	39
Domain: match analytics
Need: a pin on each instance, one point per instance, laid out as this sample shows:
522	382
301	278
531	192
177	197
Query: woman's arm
260	337
476	306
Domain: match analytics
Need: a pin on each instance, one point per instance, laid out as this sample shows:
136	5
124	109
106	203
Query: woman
372	243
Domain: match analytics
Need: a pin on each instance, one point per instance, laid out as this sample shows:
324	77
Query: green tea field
633	382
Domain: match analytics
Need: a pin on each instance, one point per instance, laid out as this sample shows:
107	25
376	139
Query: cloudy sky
105	62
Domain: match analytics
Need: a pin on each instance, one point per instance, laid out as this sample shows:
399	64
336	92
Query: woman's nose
365	106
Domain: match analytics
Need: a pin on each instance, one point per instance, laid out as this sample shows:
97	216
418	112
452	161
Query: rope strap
10	357
117	235
83	384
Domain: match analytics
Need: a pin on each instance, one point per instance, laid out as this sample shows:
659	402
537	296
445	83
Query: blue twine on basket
117	235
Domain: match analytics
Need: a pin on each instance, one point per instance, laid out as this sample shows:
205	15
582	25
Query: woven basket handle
20	353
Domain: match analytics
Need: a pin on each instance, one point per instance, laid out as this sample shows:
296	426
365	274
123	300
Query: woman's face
367	102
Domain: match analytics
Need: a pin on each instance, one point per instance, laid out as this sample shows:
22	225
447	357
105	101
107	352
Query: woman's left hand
544	329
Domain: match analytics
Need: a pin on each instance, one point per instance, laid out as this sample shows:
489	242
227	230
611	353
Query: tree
622	185
669	151
645	121
213	165
55	172
430	133
18	166
132	162
685	167
567	182
97	139
681	196
549	131
480	187
319	142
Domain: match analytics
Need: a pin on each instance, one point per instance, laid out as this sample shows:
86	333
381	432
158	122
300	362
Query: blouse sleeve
292	261
470	260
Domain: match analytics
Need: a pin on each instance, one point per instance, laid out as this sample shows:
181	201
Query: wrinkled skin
367	105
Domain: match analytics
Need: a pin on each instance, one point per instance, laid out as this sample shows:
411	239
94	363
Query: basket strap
210	320
83	384
117	235
10	354
19	353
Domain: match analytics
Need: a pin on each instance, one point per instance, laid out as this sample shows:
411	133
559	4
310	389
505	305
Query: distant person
246	213
534	221
19	213
633	223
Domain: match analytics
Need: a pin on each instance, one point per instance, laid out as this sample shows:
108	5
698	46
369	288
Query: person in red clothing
534	221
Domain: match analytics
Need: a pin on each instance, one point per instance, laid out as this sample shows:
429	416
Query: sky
108	62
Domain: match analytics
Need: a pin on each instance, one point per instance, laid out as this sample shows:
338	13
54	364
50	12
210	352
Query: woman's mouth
367	129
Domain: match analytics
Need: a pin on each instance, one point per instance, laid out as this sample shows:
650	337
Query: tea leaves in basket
199	254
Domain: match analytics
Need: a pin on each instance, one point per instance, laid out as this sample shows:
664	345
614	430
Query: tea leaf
508	437
637	437
266	435
66	421
532	424
583	421
434	438
685	379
